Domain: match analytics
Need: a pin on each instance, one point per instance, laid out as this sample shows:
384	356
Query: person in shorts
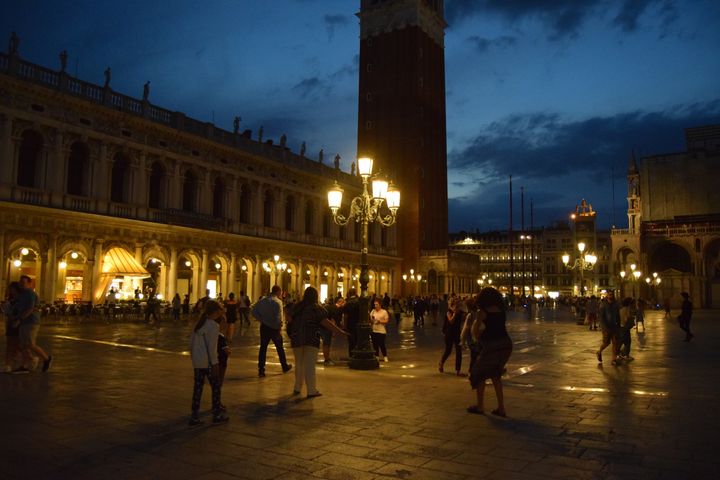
30	325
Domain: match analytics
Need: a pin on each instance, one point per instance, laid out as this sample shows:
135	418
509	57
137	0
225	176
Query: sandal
499	413
475	409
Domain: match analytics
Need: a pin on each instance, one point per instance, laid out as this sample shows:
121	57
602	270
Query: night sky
555	92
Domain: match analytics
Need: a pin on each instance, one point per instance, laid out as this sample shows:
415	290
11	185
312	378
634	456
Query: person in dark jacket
686	311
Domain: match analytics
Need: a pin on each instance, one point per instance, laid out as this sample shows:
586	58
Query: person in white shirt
379	318
204	355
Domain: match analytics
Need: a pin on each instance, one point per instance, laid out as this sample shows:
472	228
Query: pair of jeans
378	341
200	374
305	359
266	335
450	342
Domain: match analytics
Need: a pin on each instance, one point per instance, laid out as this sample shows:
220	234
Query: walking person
204	355
151	308
466	337
592	312
686	311
666	307
305	318
186	305
640	314
451	330
626	325
231	314
30	325
434	308
494	352
397	309
609	325
244	308
269	311
176	306
379	318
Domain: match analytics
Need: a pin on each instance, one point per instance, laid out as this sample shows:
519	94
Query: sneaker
328	363
221	418
287	368
194	421
599	356
20	370
385	359
47	363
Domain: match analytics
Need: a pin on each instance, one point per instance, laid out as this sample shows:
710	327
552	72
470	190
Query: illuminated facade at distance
674	223
98	189
537	267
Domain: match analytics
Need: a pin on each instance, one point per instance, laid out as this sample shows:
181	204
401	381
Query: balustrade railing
33	196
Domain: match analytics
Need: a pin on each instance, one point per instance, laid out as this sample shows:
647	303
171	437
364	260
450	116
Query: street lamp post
584	261
365	208
413	278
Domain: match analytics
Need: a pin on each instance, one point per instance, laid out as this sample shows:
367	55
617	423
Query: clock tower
401	114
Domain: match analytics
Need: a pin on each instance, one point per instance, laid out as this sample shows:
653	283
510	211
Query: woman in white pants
304	321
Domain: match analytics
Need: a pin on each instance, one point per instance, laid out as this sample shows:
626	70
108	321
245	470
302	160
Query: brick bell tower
401	114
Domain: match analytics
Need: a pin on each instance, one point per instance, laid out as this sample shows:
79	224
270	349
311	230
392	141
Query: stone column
224	285
232	276
195	283
51	270
141	197
101	182
205	195
162	281
174	198
172	273
3	265
299	274
56	171
203	273
6	161
257	268
95	266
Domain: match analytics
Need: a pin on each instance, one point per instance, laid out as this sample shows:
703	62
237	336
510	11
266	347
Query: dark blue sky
554	92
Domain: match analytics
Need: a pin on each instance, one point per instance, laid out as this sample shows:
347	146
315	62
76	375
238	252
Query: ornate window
156	185
268	209
219	198
31	147
77	170
189	191
120	179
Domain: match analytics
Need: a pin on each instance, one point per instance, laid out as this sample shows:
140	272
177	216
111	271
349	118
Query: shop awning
118	262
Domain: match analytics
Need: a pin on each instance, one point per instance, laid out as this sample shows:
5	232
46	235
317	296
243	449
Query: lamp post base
361	362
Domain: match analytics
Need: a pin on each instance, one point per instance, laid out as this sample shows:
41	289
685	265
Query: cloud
563	18
333	21
563	156
308	86
483	44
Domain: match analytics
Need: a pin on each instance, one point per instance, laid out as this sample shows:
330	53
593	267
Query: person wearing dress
495	347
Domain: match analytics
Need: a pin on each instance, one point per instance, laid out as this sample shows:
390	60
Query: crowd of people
476	324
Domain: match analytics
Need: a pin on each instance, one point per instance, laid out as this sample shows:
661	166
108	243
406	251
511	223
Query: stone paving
115	404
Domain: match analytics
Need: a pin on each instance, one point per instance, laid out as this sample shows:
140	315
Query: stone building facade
86	171
674	223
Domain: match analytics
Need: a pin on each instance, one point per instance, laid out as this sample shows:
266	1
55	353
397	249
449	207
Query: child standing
204	354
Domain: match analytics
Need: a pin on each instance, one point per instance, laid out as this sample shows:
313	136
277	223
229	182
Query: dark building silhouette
401	114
